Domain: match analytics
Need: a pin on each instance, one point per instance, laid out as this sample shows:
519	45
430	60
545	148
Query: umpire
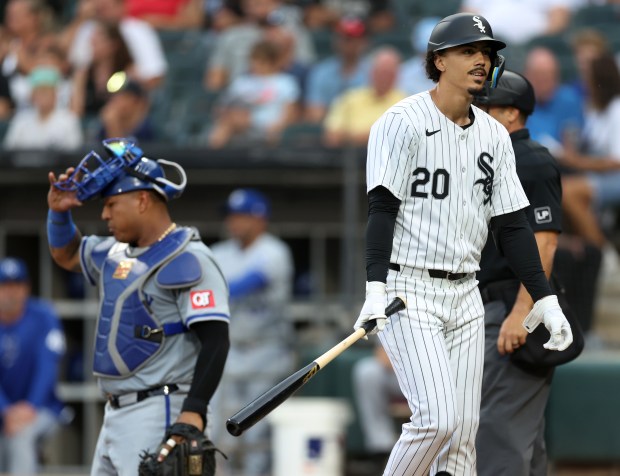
510	438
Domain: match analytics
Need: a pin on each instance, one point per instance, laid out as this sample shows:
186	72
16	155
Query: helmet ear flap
496	70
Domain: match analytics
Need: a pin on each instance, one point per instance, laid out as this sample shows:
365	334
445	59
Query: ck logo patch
542	215
202	299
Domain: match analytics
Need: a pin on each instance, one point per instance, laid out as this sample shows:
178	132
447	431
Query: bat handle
397	304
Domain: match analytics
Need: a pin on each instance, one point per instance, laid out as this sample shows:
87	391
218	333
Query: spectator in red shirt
168	14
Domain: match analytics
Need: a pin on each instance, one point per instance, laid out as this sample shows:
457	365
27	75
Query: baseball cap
248	201
13	270
43	76
513	89
352	27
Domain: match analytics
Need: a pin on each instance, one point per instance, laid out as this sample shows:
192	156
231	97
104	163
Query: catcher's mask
125	170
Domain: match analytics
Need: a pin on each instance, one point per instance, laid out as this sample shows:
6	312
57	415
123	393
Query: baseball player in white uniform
439	172
162	330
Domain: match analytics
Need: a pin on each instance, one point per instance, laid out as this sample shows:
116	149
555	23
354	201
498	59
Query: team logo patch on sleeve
542	215
202	299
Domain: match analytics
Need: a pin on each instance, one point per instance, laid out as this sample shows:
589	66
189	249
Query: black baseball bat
256	410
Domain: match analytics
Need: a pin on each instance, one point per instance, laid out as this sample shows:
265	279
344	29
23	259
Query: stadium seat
302	135
590	16
433	8
322	40
4	125
198	113
399	39
187	52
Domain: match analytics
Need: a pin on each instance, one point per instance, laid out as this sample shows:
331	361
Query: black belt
436	273
119	401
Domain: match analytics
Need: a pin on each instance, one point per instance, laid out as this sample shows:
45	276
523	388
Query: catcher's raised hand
60	200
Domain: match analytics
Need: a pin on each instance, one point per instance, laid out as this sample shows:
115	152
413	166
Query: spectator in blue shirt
348	68
558	115
31	345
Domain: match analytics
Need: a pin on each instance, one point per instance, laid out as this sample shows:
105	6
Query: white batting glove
547	310
374	307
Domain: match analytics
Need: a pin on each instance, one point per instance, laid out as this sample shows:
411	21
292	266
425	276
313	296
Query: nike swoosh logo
428	134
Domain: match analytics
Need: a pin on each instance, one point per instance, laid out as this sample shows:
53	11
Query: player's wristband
60	228
195	405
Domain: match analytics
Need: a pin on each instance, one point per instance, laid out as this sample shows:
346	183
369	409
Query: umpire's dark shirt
540	177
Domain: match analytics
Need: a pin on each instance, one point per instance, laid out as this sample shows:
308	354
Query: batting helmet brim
495	44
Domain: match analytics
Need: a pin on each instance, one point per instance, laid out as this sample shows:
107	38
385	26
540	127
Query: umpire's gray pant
510	438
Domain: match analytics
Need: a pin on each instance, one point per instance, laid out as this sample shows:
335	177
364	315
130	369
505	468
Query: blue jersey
30	350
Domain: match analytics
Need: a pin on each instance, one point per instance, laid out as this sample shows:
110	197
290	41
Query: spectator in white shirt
141	38
44	126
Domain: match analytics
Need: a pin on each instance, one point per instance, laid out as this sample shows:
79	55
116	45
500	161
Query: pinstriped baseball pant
436	347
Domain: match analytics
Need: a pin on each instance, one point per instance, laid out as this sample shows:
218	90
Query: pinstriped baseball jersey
451	181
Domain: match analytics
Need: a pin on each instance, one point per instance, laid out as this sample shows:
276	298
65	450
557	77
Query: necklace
167	232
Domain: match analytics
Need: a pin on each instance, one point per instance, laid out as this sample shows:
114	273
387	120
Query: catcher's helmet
124	170
148	174
463	28
512	89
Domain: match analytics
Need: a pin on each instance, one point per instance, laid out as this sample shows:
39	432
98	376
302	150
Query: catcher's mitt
195	456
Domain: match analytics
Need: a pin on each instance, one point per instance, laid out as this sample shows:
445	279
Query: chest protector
128	333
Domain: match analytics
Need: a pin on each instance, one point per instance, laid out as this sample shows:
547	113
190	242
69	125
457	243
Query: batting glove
374	307
547	310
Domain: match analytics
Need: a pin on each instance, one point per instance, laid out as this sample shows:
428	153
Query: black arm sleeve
213	336
382	211
514	239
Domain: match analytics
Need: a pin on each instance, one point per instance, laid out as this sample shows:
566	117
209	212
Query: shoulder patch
542	215
183	270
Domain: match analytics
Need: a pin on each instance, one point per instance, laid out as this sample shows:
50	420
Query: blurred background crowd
237	74
220	73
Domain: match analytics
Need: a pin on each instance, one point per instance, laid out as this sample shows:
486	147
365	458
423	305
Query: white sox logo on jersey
478	23
489	174
202	299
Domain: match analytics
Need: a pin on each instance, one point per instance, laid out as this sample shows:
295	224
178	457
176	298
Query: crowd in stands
226	73
221	73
